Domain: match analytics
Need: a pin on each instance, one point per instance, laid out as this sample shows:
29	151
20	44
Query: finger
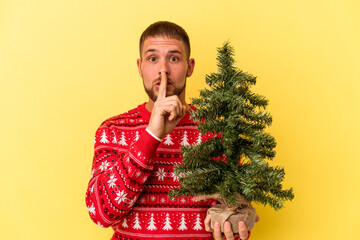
162	88
227	231
243	232
182	112
217	231
174	109
207	224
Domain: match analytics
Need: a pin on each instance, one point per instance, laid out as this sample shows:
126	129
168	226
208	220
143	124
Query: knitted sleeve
118	175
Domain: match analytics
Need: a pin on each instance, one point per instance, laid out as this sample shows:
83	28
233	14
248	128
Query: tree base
234	215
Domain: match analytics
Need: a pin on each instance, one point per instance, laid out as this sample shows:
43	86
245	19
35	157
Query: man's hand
167	111
228	234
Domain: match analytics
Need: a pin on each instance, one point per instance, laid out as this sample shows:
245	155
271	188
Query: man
135	152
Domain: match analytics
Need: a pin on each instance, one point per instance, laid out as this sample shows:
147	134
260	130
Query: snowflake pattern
112	181
92	209
161	174
104	166
121	196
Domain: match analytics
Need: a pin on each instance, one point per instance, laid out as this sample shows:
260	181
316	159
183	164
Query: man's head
167	30
164	47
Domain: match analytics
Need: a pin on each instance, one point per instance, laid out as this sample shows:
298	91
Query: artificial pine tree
231	165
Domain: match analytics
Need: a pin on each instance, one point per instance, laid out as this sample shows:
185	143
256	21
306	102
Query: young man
135	152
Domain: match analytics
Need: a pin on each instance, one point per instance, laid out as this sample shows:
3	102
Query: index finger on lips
162	88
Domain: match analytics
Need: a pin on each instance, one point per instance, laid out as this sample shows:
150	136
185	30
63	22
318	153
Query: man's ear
138	62
191	66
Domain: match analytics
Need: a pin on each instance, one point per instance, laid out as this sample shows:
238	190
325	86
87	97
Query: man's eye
173	59
152	59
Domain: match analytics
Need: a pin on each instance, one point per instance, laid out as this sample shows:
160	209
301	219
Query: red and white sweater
132	173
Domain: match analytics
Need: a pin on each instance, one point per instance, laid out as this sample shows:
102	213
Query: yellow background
65	66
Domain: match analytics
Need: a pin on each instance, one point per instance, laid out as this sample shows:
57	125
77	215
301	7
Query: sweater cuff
159	139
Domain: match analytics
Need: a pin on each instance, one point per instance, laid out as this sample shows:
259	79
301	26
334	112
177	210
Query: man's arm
118	177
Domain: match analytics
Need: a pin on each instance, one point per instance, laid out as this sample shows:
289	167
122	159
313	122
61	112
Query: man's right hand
167	111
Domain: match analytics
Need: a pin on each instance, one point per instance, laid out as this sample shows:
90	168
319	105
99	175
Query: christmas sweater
132	173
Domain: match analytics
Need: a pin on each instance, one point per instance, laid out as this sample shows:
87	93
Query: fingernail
217	224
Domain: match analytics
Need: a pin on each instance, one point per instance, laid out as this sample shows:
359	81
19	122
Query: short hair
166	29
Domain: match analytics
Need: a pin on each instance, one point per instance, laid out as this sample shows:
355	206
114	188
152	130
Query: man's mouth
158	83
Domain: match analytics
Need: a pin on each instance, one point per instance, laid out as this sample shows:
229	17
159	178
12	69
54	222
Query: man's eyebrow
151	50
175	51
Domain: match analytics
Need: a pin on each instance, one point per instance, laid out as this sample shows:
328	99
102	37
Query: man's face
164	54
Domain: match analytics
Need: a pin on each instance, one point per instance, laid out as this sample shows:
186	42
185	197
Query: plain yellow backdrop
65	66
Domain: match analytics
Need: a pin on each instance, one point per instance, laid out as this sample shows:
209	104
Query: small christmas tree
197	226
152	226
104	138
184	141
230	165
136	136
182	226
137	222
167	225
124	224
123	140
168	140
114	138
199	140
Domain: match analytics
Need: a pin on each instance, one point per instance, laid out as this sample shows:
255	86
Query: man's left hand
228	234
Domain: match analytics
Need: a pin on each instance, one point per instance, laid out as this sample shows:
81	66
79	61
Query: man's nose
164	67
